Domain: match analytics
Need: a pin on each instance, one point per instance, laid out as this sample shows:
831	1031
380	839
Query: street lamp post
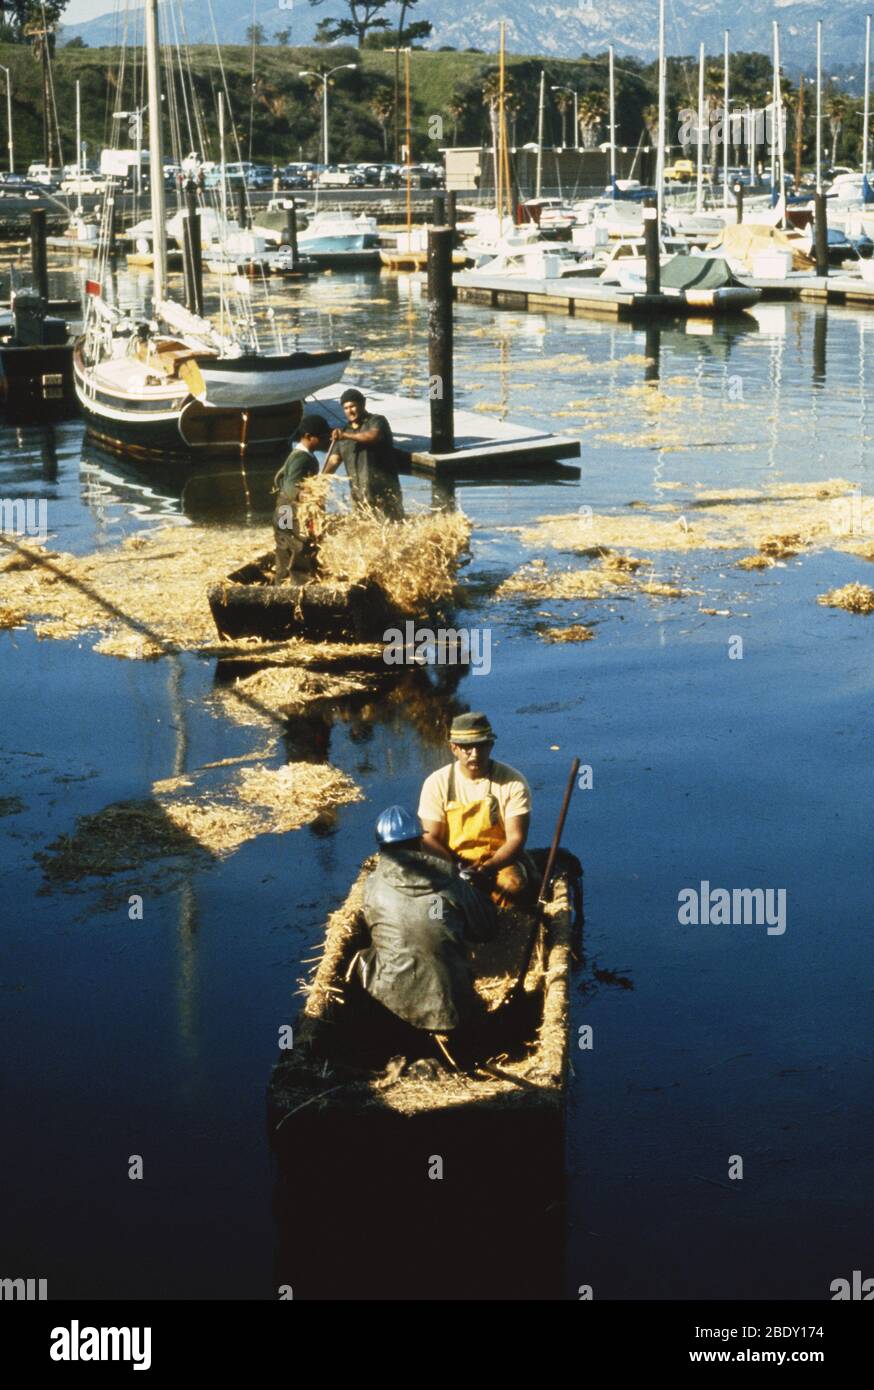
9	115
323	78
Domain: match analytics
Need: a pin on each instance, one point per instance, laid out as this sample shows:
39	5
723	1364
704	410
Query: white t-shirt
506	785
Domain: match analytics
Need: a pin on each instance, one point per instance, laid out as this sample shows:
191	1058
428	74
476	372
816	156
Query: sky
79	10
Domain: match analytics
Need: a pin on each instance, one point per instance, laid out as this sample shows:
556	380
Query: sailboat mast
699	185
612	125
156	153
726	125
542	103
499	181
867	109
78	148
819	106
660	153
778	111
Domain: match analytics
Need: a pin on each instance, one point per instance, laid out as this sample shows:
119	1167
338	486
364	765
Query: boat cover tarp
696	273
744	242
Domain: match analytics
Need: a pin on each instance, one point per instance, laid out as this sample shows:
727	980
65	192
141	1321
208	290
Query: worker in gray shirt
366	446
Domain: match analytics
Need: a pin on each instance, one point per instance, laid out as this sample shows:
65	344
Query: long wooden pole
867	107
156	153
547	876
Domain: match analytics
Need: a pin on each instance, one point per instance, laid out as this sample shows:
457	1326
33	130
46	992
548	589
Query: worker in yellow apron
486	833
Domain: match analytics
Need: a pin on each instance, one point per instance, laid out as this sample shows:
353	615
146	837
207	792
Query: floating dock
577	295
482	446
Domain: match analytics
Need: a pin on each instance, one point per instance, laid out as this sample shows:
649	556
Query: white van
40	173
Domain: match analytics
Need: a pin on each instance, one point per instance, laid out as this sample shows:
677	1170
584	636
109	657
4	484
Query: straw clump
778	522
577	632
414	561
134	834
853	598
612	574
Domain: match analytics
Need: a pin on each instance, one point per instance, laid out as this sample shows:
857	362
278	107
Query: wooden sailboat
178	384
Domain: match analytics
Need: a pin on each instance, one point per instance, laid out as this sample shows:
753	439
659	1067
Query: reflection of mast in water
776	381
186	935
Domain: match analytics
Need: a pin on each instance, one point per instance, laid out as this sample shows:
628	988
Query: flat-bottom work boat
424	1180
249	604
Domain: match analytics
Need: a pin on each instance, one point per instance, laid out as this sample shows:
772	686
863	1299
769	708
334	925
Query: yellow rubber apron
475	828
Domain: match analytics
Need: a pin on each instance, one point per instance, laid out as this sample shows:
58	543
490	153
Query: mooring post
651	246
450	208
291	224
652	371
739	202
820	331
242	216
438	213
820	229
440	347
38	252
193	250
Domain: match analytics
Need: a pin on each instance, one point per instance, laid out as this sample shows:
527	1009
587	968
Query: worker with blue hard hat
421	914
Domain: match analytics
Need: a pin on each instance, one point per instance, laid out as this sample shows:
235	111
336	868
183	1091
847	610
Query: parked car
293	176
261	176
341	176
42	174
83	183
390	175
681	170
370	173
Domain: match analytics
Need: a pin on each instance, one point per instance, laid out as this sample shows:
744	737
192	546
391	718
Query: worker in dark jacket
295	549
421	913
366	446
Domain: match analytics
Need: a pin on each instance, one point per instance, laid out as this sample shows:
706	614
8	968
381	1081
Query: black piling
450	208
821	234
192	251
739	202
111	224
440	346
651	247
38	252
291	229
242	214
438	213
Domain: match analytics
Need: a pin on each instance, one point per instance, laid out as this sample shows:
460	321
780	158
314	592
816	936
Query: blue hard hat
397	824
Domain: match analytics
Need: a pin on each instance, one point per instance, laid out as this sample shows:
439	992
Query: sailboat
178	384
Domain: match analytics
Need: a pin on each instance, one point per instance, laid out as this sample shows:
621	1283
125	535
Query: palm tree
456	110
837	111
564	100
382	105
592	110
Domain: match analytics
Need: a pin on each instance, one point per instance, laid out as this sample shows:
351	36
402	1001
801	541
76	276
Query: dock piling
450	208
291	226
438	215
440	344
739	202
192	251
651	246
38	252
242	215
821	234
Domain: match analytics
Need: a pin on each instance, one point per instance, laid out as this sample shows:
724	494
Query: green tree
836	111
283	37
382	105
592	110
256	34
364	17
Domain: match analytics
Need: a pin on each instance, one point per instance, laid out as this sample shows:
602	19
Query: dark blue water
156	1037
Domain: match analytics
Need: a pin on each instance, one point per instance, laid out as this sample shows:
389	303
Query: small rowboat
361	1101
249	604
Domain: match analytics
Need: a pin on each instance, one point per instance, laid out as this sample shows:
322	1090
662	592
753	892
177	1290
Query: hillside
555	28
284	111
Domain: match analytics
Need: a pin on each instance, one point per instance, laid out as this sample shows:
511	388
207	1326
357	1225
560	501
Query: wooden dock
482	446
582	295
578	295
